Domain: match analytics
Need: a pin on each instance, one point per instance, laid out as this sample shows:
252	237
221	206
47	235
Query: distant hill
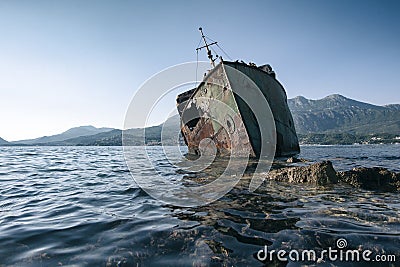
3	142
338	114
134	137
71	133
109	136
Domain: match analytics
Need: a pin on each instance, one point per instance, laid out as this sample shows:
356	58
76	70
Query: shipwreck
242	129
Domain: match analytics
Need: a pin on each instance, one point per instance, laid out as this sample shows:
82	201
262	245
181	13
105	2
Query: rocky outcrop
320	173
371	178
323	173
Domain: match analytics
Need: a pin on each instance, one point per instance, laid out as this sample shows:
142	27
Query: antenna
210	56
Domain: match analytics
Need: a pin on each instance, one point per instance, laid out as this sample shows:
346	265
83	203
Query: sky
70	63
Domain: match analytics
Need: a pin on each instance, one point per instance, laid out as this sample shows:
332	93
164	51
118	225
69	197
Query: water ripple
80	206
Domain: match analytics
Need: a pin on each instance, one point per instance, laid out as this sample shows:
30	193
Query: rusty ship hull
241	130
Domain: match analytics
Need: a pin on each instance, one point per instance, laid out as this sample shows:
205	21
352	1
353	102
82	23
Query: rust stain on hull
213	111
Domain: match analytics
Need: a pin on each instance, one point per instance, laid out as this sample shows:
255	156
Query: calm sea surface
79	206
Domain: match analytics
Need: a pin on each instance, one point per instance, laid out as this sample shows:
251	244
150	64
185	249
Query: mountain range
333	119
338	114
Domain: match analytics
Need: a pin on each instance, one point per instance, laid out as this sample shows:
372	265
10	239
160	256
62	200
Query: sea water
80	206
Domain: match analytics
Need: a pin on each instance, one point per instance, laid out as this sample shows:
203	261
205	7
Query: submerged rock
320	173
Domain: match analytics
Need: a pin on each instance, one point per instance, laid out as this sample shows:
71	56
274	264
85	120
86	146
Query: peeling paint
231	123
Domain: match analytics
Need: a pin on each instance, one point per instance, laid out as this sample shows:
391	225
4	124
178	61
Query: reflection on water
80	206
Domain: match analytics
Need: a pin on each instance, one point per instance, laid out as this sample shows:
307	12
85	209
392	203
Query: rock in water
294	160
321	173
371	178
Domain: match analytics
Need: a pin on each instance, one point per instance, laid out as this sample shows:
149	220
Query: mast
210	56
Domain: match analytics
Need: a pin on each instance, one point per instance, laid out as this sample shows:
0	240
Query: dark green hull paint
287	142
219	84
